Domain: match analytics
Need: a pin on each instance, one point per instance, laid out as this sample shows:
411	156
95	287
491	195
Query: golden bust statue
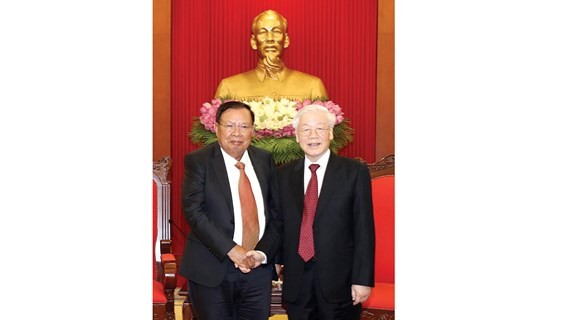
271	78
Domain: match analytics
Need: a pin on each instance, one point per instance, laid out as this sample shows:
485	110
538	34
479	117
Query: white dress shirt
323	161
233	176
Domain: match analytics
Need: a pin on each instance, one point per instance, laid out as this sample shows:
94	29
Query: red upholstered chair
380	305
163	261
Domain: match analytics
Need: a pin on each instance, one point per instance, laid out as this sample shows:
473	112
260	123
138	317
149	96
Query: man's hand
279	271
238	255
359	293
255	257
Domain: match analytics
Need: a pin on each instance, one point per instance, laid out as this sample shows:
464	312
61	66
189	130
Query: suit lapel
259	168
297	185
222	176
330	183
262	172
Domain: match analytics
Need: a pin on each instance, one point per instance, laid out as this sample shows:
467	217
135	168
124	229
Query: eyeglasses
232	126
307	132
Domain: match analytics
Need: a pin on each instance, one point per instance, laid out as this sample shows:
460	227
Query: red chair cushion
158	292
383	201
167	257
381	297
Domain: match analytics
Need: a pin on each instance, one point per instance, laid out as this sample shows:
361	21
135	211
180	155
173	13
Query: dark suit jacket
208	209
343	229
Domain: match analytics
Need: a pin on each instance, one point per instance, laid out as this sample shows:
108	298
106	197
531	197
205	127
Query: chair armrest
168	264
169	267
165	246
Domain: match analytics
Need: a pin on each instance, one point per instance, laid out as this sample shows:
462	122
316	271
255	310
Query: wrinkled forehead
268	21
315	117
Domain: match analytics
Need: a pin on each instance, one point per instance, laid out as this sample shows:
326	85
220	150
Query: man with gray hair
328	248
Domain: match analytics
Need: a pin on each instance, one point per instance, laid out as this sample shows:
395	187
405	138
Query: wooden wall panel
385	114
161	79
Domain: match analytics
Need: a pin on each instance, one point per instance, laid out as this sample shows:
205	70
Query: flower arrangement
273	126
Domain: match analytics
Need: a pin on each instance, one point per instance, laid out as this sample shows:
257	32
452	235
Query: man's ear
252	42
286	42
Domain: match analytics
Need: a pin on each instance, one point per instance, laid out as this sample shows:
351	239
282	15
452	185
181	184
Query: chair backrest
161	206
383	201
382	167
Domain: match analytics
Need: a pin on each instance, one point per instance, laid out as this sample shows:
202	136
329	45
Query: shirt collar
322	162
231	161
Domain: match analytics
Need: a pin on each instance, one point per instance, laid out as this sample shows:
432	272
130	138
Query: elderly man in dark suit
234	218
328	249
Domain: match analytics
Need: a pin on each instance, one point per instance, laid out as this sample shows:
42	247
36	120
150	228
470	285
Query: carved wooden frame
165	260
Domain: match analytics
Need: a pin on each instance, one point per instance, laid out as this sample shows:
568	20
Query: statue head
269	35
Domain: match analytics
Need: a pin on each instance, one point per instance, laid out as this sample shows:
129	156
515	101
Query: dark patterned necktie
306	243
248	210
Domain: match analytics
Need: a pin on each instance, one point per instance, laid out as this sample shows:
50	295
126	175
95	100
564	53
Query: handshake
245	260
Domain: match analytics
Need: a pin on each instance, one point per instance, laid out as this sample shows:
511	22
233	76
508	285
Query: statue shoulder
299	74
313	86
250	74
296	84
232	85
